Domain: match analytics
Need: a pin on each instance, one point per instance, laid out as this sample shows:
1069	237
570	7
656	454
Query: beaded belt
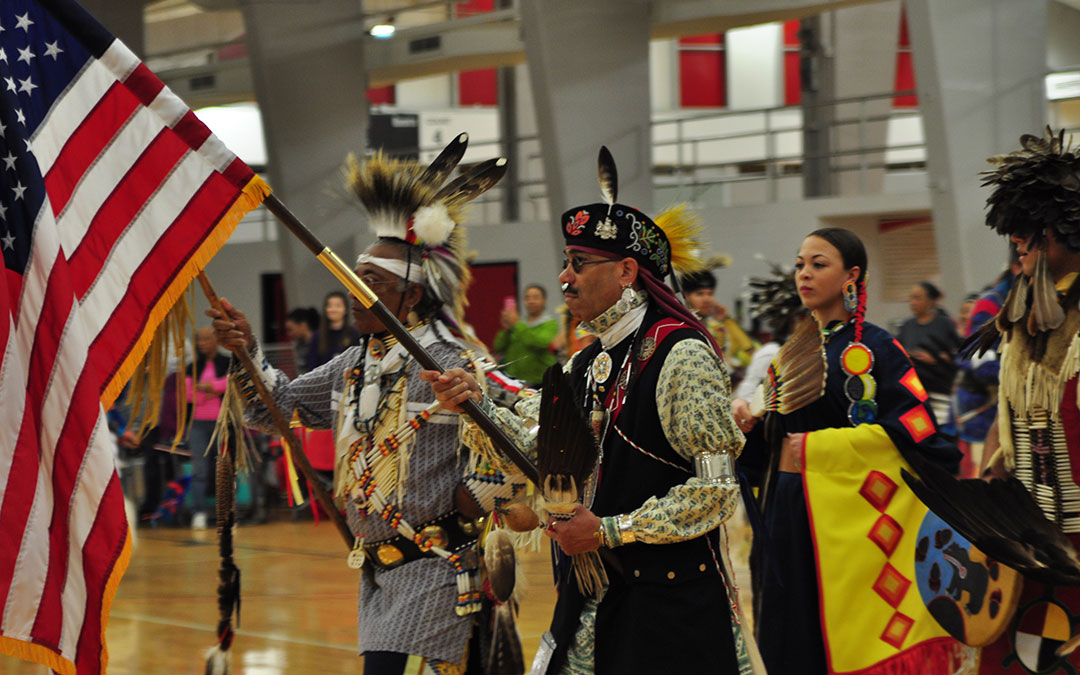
450	531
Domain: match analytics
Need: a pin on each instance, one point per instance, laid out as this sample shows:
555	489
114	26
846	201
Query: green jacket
525	348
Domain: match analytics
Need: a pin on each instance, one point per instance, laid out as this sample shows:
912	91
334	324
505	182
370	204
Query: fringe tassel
148	378
1036	386
251	196
229	428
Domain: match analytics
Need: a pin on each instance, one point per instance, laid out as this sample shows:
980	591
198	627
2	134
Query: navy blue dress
787	617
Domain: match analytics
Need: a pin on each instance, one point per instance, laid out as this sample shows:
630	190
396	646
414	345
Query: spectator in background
335	335
206	382
930	339
699	290
526	345
300	327
975	399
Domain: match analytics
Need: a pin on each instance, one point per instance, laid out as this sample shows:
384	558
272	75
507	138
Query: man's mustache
567	288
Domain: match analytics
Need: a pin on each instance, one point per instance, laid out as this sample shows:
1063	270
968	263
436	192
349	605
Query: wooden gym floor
298	603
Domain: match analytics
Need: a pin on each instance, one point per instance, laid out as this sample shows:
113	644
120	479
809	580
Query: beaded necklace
373	464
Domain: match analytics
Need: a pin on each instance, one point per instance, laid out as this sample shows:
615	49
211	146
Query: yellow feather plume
681	227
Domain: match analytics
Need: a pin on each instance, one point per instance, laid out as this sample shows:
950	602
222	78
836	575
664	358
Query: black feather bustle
608	176
1001	519
565	443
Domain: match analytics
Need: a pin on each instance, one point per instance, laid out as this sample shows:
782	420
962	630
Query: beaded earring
857	361
851	296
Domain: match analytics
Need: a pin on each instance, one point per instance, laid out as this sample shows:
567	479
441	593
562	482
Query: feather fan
1001	519
796	376
565	456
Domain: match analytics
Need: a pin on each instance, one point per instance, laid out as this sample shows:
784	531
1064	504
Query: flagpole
286	432
365	295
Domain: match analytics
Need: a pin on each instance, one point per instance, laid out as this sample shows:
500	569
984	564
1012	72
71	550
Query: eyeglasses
374	282
577	263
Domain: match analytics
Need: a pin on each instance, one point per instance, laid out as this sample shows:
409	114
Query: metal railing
777	137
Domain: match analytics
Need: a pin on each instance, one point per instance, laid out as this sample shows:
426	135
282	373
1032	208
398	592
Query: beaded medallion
601	367
860	387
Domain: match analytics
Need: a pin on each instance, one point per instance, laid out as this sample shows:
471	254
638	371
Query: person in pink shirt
206	381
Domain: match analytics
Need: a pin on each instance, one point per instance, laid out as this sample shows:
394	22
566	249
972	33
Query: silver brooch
648	346
606	229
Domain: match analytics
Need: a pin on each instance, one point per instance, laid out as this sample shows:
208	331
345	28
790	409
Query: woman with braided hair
842	404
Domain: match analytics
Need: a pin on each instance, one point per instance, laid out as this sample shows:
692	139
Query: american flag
112	196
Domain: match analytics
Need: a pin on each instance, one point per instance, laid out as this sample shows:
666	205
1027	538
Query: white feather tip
217	661
432	224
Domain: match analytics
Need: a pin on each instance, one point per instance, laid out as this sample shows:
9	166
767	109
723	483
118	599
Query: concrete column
307	62
818	86
122	18
589	67
979	68
864	40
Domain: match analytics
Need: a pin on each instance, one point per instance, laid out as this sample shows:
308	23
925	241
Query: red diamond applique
891	586
886	533
878	489
918	423
896	631
913	384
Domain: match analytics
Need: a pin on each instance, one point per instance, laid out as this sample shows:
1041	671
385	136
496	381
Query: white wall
664	74
425	93
755	66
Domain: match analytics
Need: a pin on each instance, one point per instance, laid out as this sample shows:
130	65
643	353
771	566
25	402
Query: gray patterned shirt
409	609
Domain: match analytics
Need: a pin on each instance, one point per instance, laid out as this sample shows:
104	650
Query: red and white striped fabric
113	196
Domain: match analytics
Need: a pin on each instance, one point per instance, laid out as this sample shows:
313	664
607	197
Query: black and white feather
608	176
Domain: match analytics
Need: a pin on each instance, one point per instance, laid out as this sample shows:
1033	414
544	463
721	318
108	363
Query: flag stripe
96	474
84	146
69	112
113	195
130	196
56	307
100	552
67	460
155	219
144	84
99	182
123	329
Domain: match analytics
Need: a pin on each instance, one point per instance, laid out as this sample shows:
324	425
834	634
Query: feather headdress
1035	188
668	243
409	202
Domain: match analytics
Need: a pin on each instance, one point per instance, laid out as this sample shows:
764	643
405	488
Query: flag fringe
110	593
29	651
251	196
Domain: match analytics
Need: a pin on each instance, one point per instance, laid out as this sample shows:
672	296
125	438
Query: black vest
666	607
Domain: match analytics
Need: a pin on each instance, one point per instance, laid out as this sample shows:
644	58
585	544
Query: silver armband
716	467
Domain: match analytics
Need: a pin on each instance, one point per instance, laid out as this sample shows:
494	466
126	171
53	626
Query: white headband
413	273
